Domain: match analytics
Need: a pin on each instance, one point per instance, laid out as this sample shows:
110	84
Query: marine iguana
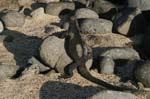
80	52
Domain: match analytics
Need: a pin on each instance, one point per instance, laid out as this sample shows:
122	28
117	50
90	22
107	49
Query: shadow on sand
60	90
22	46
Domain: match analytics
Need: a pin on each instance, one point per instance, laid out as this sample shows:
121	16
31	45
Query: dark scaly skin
80	55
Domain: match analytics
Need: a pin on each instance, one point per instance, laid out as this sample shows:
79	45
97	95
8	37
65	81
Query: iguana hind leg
68	70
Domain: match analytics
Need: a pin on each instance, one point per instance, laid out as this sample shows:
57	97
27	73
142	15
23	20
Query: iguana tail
82	70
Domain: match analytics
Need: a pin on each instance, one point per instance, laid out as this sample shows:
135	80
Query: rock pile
32	31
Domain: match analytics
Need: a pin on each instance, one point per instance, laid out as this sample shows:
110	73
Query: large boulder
94	26
53	54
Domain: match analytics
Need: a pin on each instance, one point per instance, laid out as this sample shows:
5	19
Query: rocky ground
31	86
28	33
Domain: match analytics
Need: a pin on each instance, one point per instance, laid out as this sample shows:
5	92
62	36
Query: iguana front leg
68	70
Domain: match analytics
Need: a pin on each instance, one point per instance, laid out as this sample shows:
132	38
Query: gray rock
38	13
1	26
25	2
142	4
126	71
9	5
130	22
148	97
80	13
120	53
46	1
56	8
81	2
142	73
13	19
7	71
53	54
101	6
86	13
106	40
94	26
107	65
110	54
113	95
36	63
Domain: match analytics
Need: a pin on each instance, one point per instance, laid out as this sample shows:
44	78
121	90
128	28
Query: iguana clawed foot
65	76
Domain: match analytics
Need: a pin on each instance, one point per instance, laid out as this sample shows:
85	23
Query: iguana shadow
22	46
60	90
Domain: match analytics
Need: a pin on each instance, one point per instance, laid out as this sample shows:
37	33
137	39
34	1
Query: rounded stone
25	2
101	6
120	53
38	13
1	26
142	73
47	1
7	71
106	40
113	95
78	3
148	97
56	8
53	54
142	4
107	65
85	13
6	5
94	26
13	19
108	55
130	22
